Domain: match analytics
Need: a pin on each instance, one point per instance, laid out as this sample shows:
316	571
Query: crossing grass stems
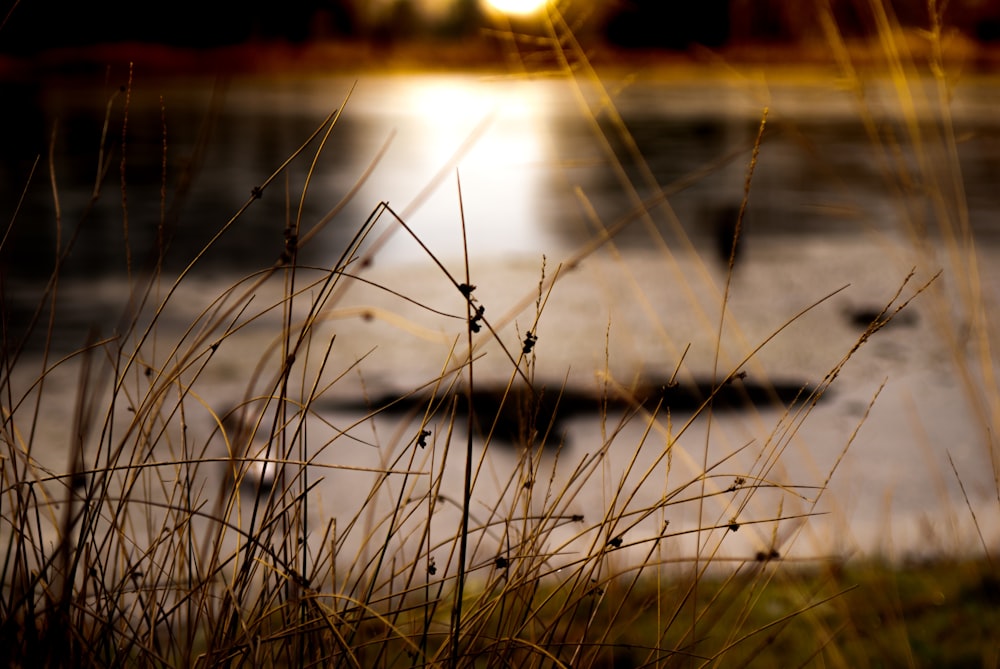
124	558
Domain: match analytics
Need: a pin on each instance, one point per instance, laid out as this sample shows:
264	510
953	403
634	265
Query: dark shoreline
486	56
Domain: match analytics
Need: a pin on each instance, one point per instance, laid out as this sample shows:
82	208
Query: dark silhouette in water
729	240
524	415
863	317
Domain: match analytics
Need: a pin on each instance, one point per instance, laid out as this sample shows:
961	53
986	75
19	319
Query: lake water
542	166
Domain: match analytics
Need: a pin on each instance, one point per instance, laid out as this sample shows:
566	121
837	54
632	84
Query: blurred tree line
677	24
31	25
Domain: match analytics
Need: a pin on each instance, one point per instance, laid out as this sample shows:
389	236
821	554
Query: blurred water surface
542	166
193	150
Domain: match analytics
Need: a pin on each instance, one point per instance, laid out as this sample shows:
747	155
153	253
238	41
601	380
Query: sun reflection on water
502	173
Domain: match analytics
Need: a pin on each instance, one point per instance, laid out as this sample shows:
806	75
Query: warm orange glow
517	6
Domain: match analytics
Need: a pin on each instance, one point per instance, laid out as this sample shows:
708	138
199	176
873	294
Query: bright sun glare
517	6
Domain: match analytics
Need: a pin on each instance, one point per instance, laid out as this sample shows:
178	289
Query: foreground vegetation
147	543
863	614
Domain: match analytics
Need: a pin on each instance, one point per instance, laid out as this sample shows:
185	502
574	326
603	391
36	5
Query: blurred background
31	27
124	152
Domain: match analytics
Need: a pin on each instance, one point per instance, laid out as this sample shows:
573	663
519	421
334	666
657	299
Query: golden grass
132	553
